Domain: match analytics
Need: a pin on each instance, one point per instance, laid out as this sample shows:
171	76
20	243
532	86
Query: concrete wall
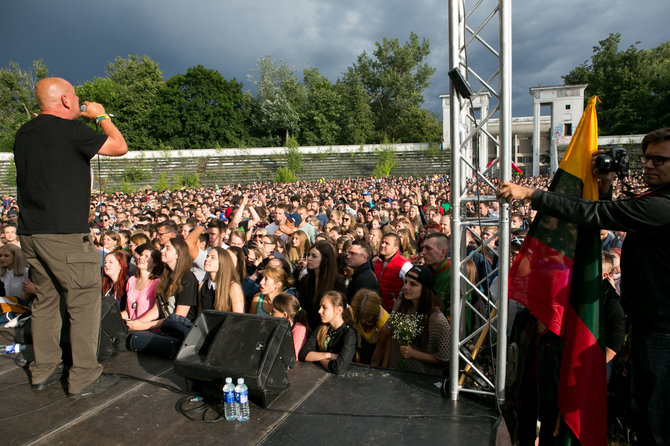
136	170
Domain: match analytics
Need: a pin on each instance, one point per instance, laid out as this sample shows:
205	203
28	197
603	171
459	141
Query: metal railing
470	29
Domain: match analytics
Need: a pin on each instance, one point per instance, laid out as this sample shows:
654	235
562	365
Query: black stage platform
364	405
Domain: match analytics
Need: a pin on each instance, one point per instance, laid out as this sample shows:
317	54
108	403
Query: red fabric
581	390
540	281
389	279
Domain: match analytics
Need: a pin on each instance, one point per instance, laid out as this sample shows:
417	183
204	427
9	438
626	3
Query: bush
134	174
126	187
285	175
386	162
162	183
188	181
9	178
293	155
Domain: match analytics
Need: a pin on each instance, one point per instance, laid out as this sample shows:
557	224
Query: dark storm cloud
78	38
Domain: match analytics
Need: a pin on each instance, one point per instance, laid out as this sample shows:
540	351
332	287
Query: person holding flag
569	309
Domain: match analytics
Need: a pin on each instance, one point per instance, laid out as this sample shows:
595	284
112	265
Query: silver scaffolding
468	174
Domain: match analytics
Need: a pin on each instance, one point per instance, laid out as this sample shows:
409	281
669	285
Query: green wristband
100	118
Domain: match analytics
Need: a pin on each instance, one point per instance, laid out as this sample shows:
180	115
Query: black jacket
645	254
342	342
363	277
615	323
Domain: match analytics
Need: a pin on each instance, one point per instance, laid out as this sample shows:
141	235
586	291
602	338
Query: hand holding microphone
91	109
95	111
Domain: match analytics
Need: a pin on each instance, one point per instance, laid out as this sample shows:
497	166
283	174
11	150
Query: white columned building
534	138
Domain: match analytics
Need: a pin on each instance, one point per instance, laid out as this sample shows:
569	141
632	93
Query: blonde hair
295	254
225	277
365	304
20	264
278	275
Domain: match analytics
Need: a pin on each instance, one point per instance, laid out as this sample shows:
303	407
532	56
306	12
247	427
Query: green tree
395	77
199	109
356	121
417	124
275	113
633	86
103	90
131	90
17	99
321	110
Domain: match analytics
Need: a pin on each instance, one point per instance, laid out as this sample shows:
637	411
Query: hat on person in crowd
12	212
422	274
294	217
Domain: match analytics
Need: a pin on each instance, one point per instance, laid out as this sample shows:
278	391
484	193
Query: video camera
614	160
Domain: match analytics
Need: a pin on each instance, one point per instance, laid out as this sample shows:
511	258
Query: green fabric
443	285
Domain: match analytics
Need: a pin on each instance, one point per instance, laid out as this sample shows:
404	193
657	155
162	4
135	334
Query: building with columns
535	139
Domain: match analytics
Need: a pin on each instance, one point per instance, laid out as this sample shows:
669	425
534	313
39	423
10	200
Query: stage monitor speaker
256	348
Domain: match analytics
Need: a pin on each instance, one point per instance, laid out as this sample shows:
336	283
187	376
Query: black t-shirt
53	176
207	295
189	294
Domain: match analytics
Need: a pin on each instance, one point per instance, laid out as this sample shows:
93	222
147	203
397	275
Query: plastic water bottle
11	348
242	398
229	403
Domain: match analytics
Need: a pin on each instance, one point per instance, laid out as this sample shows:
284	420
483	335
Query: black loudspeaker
113	330
256	348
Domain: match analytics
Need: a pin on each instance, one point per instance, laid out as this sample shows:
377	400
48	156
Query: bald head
56	96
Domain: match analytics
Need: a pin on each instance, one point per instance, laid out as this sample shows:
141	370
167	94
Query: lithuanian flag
557	276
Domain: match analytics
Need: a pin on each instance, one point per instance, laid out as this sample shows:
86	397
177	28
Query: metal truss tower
479	330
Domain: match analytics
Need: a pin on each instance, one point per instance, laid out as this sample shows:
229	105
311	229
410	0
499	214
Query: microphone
83	110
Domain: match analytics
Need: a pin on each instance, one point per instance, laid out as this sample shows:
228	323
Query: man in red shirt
390	269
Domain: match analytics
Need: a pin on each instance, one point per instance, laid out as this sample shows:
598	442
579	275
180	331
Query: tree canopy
275	109
130	91
17	99
377	99
633	86
199	109
394	77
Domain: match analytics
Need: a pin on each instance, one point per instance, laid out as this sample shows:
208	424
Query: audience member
333	345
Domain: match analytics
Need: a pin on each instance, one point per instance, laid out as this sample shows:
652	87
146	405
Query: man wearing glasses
165	231
645	273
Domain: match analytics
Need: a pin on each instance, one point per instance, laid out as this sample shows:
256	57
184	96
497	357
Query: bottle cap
240	380
229	380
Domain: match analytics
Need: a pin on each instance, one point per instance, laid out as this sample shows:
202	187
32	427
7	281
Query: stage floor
364	405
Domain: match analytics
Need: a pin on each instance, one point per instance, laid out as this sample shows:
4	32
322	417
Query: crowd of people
335	258
340	259
339	254
168	255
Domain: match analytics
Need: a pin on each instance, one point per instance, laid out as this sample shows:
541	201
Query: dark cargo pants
65	267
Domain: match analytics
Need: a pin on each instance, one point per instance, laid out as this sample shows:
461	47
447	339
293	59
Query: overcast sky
77	38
